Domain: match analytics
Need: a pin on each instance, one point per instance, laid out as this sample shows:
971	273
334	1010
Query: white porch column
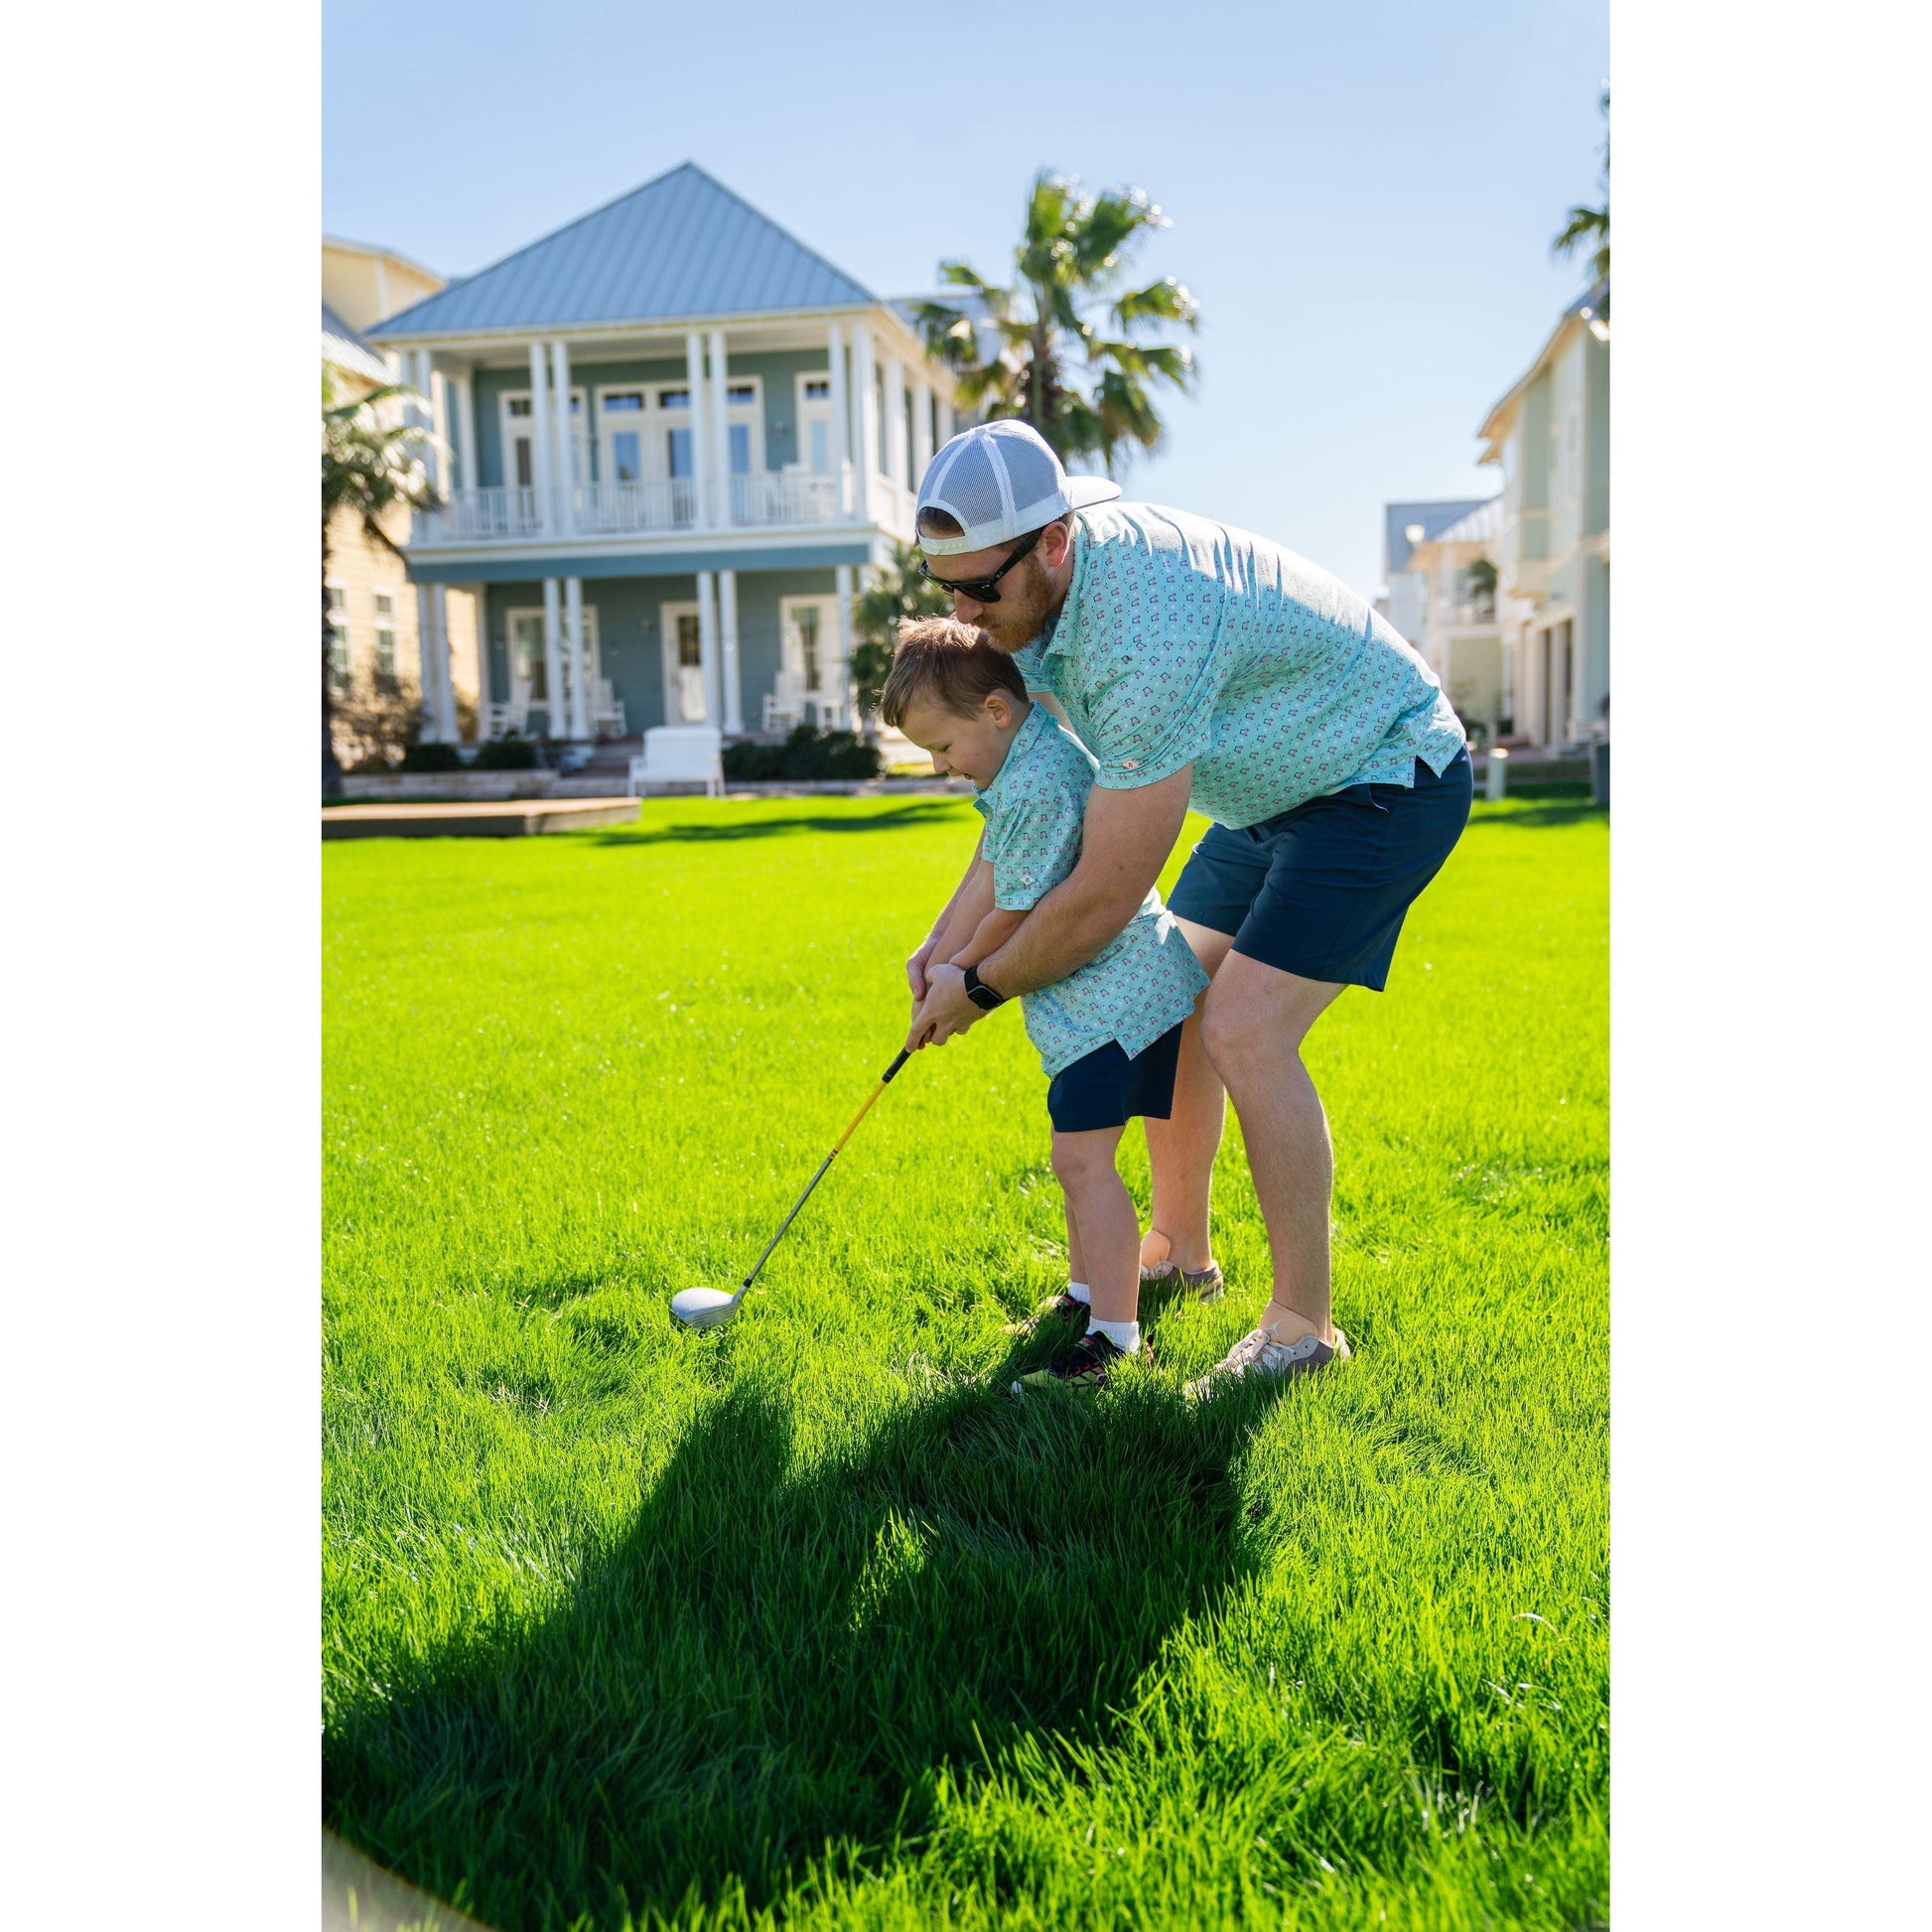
579	658
922	431
894	442
557	724
563	448
480	602
707	645
841	420
727	652
842	577
433	665
947	430
465	431
440	428
865	413
721	445
699	433
540	436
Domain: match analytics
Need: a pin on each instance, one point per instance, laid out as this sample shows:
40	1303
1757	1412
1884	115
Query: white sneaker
1258	1353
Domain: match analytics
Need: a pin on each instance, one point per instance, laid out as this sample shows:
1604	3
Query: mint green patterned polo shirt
1144	980
1185	643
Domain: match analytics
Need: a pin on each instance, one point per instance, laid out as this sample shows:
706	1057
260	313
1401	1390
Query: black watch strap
982	994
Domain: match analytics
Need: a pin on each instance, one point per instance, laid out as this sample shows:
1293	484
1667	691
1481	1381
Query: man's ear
1056	541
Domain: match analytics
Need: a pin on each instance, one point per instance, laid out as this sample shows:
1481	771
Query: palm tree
897	592
1073	358
1591	223
369	468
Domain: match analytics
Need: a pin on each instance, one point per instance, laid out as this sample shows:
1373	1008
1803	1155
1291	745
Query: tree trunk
331	771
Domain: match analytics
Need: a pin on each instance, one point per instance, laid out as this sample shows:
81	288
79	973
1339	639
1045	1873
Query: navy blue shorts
1107	1089
1322	890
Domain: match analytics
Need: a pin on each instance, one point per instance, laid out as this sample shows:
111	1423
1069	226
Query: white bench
680	755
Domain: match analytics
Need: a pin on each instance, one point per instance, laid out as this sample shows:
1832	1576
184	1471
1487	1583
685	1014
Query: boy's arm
965	913
989	936
915	967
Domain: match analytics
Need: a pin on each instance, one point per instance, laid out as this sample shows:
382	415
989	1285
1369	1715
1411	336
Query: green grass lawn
807	1621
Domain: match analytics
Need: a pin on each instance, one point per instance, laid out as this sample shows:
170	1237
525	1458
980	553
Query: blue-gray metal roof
341	346
682	245
1434	518
1484	524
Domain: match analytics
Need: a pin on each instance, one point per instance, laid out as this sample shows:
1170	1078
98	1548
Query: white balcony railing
627	508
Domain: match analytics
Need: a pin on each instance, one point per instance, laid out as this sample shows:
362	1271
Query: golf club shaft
885	1081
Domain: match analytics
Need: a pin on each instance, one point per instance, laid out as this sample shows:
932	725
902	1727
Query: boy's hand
944	1012
915	967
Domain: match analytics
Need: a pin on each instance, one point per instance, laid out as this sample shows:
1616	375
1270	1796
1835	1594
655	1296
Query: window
741	395
385	644
340	675
623	400
627	459
678	452
517	405
525	464
815	423
806	619
674	400
741	449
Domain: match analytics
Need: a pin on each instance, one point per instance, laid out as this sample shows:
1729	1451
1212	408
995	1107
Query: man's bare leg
1253	1023
1180	1150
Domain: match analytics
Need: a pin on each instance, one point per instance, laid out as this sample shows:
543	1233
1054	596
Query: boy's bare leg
1076	1267
1180	1150
1097	1202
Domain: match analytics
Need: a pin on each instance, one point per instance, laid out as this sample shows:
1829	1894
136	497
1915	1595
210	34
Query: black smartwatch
982	994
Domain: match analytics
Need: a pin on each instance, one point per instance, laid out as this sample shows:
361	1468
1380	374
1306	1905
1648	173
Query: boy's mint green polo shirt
1185	643
1146	979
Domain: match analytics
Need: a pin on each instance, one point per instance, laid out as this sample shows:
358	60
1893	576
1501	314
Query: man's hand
944	1012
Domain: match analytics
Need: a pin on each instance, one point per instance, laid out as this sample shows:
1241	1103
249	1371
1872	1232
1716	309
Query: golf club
708	1307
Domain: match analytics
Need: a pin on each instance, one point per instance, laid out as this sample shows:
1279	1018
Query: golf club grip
886	1078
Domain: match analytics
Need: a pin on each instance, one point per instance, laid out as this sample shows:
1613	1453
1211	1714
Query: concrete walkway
358	1895
497	819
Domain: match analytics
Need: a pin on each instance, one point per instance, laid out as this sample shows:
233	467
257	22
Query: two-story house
1403	527
1552	435
1465	616
670	437
377	615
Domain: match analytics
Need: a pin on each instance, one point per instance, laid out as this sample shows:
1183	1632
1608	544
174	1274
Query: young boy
1109	1034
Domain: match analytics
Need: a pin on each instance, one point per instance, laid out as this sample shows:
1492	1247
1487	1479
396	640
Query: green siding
630	632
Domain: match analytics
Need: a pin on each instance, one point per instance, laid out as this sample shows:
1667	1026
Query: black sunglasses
985	590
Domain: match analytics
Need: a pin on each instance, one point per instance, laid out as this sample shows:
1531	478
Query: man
1204	666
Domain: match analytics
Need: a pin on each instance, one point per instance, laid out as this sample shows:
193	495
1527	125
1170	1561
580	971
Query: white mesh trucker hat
997	481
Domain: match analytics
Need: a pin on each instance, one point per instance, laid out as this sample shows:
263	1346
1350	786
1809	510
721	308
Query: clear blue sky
1363	197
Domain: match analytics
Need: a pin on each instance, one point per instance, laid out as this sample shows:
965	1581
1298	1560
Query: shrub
511	753
808	753
431	757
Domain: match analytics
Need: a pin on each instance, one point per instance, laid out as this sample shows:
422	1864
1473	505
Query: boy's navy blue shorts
1107	1089
1322	890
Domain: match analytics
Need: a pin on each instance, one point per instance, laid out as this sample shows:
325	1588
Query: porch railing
619	508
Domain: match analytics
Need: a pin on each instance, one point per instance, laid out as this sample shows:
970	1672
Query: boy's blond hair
952	663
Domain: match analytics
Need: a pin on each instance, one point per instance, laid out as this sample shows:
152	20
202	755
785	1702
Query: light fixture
1413	533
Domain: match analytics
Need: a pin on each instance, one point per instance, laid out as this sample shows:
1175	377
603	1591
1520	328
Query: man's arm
915	967
1125	840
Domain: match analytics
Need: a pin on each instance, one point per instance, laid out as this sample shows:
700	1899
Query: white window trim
507	431
521	698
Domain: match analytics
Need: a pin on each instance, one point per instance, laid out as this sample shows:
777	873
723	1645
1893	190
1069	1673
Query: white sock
1125	1335
1081	1293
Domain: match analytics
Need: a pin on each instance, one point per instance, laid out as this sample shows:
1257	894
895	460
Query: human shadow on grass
787	1646
901	818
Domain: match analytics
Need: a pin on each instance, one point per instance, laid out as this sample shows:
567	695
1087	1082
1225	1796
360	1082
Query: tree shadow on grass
700	833
785	1649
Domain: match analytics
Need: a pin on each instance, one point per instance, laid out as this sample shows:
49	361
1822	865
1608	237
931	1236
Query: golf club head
704	1308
